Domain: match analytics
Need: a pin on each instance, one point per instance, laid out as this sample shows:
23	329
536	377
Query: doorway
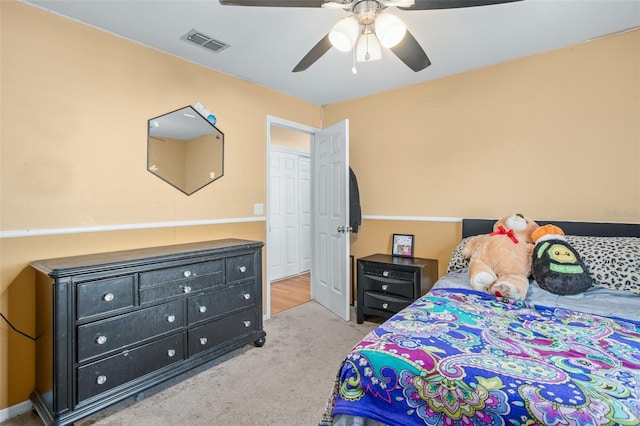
328	212
288	260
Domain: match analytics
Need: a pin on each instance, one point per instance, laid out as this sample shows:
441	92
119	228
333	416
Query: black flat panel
471	227
389	271
384	302
213	334
101	296
240	268
178	288
110	372
219	302
154	278
124	330
388	286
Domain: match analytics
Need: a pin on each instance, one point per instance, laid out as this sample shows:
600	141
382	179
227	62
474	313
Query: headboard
471	227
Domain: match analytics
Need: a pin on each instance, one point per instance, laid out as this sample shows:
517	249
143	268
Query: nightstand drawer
387	271
385	303
389	286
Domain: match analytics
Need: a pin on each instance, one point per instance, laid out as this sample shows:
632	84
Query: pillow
613	262
457	261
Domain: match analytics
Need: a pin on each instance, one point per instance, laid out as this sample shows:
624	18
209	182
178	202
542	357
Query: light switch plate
258	209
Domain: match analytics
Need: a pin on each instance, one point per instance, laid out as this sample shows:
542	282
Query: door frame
291	125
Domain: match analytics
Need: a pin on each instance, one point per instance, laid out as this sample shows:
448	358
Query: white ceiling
267	42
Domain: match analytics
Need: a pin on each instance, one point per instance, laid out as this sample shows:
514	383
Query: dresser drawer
240	268
220	331
218	302
180	287
101	296
213	269
388	286
104	336
385	303
106	374
387	271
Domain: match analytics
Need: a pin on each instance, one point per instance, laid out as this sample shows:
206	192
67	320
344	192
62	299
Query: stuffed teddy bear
557	266
500	262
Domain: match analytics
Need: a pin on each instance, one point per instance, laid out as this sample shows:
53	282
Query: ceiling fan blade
314	54
410	52
273	3
452	4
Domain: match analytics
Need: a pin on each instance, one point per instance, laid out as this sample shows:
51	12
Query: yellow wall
74	110
555	136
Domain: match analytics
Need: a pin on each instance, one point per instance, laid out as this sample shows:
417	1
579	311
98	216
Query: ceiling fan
366	29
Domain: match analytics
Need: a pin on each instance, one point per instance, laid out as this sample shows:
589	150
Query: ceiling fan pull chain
353	69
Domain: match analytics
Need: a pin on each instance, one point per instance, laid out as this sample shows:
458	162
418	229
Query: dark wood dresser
111	325
387	284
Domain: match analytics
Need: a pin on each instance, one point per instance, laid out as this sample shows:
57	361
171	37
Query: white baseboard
15	410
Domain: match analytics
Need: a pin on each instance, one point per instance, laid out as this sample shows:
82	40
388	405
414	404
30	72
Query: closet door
304	184
284	254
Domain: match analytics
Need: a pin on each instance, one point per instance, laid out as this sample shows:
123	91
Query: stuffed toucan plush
556	265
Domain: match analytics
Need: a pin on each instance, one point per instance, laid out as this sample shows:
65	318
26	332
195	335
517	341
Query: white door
304	216
330	271
284	260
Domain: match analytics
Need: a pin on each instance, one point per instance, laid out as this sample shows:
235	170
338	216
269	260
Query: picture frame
402	245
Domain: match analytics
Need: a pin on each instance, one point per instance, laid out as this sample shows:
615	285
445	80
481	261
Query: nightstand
388	284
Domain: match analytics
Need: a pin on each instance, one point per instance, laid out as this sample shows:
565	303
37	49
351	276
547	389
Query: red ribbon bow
502	231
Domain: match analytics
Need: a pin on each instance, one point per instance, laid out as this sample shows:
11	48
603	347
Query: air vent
204	40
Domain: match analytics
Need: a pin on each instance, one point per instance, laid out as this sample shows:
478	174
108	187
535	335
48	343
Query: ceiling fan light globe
389	29
343	35
368	48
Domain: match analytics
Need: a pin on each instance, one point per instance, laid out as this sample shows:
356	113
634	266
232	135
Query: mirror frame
180	129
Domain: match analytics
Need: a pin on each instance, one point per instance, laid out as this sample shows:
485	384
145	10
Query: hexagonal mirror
185	150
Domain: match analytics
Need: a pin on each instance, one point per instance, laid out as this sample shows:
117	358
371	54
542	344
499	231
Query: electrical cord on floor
15	329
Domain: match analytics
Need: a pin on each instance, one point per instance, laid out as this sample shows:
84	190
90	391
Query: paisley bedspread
461	357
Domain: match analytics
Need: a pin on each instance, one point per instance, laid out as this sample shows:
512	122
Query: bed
461	357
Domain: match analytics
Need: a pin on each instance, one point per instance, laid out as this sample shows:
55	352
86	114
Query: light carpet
286	382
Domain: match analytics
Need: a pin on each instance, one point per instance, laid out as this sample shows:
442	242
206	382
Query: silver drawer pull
202	309
186	274
171	353
247	296
108	297
101	380
385	305
203	341
171	318
385	273
101	340
385	287
186	289
242	269
247	323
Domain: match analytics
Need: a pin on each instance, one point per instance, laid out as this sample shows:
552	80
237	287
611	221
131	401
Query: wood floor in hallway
290	292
